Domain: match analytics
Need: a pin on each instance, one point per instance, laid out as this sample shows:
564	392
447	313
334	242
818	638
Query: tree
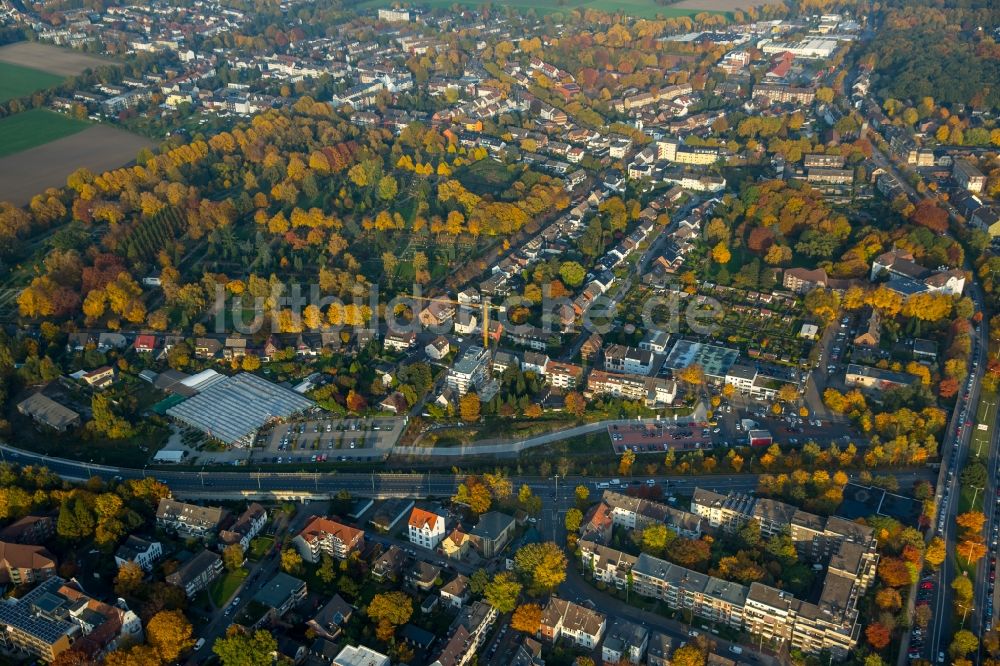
240	648
468	407
574	518
963	643
693	375
387	188
572	273
878	635
129	579
962	587
291	561
721	254
502	592
888	598
582	494
396	608
894	572
689	655
170	633
576	404
543	565
232	556
971	521
626	461
527	618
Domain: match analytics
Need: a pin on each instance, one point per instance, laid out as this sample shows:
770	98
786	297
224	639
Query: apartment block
633	512
195	575
577	624
22	563
726	512
324	536
189	520
651	390
247	526
605	564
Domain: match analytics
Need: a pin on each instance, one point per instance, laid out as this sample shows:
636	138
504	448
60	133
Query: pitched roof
419	518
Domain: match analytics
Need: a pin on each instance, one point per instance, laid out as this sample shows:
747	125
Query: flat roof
234	408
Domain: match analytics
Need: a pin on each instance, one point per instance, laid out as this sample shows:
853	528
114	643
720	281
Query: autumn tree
878	635
170	633
625	462
527	618
291	561
241	648
468	407
396	608
574	518
721	254
232	557
542	565
129	579
688	655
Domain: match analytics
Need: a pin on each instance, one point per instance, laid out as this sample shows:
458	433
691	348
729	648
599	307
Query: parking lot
329	439
660	436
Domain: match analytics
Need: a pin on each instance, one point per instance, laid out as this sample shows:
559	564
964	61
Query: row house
606	564
578	624
652	391
189	520
727	512
467	635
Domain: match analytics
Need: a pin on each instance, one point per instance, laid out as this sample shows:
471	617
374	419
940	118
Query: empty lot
51	59
99	148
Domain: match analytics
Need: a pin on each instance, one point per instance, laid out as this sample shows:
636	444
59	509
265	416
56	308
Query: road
954	452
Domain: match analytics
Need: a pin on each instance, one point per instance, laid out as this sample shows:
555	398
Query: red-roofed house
426	528
145	343
324	536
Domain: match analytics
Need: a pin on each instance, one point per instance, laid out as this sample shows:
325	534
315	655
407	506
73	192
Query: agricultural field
20	81
49	59
98	147
716	5
35	127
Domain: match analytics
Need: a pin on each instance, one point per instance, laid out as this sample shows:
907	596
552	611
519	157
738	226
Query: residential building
423	576
605	564
30	530
142	552
872	333
426	528
967	176
189	520
99	378
877	379
655	341
534	362
591	346
197	573
492	533
246	528
784	94
322	536
327	622
437	348
566	376
56	615
360	655
577	624
628	360
455	593
705	596
636	513
726	512
803	280
672	150
653	391
659	649
279	595
21	564
456	544
398	341
467	634
389	565
469	371
624	641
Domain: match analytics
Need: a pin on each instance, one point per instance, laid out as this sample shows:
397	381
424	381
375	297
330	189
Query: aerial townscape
499	332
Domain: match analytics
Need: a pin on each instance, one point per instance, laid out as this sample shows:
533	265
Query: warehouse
234	408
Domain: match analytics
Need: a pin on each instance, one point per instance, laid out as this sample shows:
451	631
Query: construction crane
485	306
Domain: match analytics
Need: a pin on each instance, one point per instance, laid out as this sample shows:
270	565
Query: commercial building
47	412
234	409
713	359
360	655
324	536
812	48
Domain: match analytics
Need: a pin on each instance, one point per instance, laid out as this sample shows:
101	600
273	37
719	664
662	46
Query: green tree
240	648
574	518
387	188
232	556
503	591
291	561
572	273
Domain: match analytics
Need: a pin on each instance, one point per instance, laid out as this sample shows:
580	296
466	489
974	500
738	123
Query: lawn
34	128
259	547
20	81
224	587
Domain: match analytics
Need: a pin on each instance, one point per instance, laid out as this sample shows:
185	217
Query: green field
35	127
19	81
637	8
224	587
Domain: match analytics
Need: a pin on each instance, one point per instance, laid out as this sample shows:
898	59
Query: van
736	649
616	482
604	485
199	645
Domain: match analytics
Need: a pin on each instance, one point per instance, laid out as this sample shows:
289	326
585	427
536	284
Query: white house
142	552
426	528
